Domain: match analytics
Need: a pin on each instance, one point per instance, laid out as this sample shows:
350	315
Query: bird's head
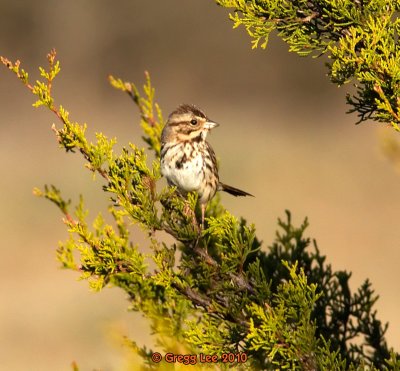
187	123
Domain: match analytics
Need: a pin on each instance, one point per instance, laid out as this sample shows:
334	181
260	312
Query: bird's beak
210	125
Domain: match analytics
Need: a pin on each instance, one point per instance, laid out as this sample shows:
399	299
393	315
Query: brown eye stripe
175	123
184	127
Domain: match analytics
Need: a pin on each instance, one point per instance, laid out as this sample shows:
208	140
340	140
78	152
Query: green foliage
213	291
359	37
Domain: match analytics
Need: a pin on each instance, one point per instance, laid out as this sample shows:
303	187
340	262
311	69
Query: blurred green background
284	137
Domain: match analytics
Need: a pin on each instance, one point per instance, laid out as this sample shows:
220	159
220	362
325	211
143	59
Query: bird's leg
203	211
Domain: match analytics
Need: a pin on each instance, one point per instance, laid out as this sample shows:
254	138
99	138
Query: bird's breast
182	164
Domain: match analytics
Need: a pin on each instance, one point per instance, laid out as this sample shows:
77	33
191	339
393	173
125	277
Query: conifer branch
359	37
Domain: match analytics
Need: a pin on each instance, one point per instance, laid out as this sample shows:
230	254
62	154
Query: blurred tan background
284	136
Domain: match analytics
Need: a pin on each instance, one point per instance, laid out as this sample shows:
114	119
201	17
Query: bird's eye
193	122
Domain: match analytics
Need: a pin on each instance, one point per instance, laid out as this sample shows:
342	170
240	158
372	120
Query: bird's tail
232	190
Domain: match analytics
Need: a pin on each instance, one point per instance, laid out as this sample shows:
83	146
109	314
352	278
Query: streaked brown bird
187	159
